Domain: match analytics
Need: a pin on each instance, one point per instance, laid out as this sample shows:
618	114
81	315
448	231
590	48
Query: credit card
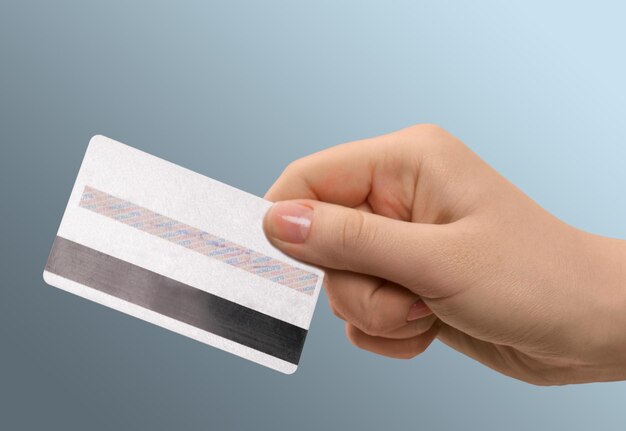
182	251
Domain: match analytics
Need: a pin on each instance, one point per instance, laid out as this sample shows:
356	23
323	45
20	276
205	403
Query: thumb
344	238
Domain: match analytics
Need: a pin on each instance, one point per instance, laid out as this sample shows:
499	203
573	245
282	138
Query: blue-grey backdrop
236	90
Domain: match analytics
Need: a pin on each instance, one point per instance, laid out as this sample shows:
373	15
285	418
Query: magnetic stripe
176	300
197	240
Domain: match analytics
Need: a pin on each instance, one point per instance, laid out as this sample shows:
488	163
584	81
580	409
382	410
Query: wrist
604	279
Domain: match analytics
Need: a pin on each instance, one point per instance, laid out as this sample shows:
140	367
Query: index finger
339	175
350	174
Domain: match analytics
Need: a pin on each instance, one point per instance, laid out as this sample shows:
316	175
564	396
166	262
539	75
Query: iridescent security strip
197	240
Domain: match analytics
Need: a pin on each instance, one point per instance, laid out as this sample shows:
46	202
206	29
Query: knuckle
427	130
352	232
332	304
373	325
351	334
294	167
435	140
331	294
294	171
416	349
433	129
336	313
373	321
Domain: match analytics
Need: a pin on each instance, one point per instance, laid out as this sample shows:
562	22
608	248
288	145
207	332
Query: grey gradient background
236	90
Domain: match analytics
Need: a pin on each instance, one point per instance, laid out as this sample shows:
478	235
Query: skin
421	239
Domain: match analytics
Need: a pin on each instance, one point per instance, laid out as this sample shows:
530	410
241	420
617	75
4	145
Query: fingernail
289	222
418	310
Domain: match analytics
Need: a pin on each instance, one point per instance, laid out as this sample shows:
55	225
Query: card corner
47	277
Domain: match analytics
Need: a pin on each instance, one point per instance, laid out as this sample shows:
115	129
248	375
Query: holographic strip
199	241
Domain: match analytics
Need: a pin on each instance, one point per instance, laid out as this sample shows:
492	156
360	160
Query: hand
422	239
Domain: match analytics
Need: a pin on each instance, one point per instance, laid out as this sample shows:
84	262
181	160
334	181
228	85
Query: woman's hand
422	239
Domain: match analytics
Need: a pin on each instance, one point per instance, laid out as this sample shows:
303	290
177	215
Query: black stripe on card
177	300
